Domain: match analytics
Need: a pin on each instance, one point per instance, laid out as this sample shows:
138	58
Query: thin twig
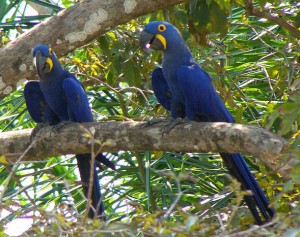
12	171
101	80
171	208
92	165
251	10
268	78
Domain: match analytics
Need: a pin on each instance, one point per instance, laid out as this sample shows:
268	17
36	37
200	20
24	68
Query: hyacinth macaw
57	97
186	90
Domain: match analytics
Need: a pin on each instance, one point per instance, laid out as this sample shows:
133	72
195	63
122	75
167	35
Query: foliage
14	17
254	65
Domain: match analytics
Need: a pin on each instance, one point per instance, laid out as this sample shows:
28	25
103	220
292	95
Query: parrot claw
171	124
35	130
62	124
153	121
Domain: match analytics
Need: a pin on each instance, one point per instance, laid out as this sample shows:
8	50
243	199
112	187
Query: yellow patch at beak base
50	63
162	40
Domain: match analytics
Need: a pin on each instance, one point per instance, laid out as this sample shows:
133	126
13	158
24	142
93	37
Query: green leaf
3	160
131	75
297	20
288	186
104	45
295	174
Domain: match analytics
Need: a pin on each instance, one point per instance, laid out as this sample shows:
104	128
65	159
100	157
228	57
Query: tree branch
251	10
75	138
69	29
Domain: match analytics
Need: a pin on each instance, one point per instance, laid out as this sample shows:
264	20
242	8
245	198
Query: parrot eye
161	28
50	51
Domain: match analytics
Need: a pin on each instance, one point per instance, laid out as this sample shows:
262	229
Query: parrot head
159	35
44	60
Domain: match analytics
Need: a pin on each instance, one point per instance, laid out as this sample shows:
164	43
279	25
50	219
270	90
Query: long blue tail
84	165
258	202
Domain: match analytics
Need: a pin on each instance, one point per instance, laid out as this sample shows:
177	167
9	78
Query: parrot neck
56	73
176	56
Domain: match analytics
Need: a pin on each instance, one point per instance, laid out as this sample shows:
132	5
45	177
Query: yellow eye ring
161	28
50	51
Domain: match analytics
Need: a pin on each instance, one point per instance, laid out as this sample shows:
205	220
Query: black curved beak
150	41
42	64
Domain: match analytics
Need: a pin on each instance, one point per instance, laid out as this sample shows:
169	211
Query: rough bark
115	136
69	29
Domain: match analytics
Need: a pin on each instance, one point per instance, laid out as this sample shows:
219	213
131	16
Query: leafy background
254	65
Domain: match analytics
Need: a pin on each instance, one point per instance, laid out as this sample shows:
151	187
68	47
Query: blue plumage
161	91
59	96
182	87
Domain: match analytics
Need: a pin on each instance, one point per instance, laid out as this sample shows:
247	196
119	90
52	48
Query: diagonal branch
69	29
114	136
251	10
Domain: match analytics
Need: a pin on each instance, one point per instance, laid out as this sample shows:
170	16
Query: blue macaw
58	97
186	90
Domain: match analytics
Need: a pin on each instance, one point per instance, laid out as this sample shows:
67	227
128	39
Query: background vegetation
254	64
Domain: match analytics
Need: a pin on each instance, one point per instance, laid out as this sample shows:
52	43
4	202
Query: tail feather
100	158
257	202
84	166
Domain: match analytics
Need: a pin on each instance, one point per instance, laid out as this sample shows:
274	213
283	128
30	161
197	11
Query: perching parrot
57	97
182	87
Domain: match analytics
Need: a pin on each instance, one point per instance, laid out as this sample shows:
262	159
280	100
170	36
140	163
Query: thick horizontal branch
131	136
69	29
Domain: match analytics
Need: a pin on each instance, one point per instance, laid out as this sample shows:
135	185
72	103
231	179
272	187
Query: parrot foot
37	128
153	121
171	124
62	124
